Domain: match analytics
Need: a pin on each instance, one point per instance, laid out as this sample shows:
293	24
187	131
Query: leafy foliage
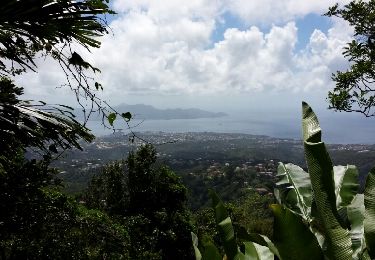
41	126
354	89
37	222
369	214
49	29
291	235
31	26
254	247
149	200
335	215
320	215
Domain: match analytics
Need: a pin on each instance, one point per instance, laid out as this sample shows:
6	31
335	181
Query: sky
219	55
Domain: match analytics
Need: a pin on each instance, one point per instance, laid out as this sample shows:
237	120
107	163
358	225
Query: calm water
338	129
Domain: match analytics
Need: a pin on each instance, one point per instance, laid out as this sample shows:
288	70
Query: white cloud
151	61
270	11
164	48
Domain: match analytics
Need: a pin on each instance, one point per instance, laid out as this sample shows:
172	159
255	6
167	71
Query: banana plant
319	215
256	247
325	198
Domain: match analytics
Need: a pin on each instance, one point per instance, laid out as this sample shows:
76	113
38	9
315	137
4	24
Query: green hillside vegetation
149	201
320	213
62	198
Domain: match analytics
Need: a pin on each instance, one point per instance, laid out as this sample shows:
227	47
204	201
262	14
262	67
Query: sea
336	129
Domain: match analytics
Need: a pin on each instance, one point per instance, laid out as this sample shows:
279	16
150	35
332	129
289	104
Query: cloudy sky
226	55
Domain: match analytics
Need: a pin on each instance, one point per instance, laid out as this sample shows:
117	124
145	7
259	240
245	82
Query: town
205	157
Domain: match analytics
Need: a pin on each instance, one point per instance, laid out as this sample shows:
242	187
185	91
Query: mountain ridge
142	111
149	112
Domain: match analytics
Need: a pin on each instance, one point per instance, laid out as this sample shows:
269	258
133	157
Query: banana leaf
356	215
197	253
346	184
369	222
225	228
292	236
211	252
257	239
257	252
337	239
294	189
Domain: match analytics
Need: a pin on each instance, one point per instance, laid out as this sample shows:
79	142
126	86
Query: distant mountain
141	111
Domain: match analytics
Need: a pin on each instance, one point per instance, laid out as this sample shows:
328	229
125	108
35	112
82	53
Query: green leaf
211	252
127	116
292	237
320	168
264	253
356	215
197	254
369	222
225	228
294	189
111	118
254	251
38	125
346	184
250	251
258	239
365	255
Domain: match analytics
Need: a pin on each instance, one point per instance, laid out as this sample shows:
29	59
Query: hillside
141	111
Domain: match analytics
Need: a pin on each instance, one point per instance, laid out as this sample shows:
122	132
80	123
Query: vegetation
354	91
150	202
243	216
36	221
137	208
320	214
134	209
31	29
39	222
24	126
49	29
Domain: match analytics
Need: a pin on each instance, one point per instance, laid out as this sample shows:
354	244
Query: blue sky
305	24
223	55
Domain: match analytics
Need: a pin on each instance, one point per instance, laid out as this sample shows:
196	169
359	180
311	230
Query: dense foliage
48	27
26	125
137	208
355	87
39	222
320	215
150	202
34	29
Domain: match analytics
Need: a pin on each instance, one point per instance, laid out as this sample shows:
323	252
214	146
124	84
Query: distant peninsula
147	112
141	111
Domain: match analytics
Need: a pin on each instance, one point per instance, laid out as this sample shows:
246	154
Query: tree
46	28
35	29
36	221
150	200
355	88
31	29
26	125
